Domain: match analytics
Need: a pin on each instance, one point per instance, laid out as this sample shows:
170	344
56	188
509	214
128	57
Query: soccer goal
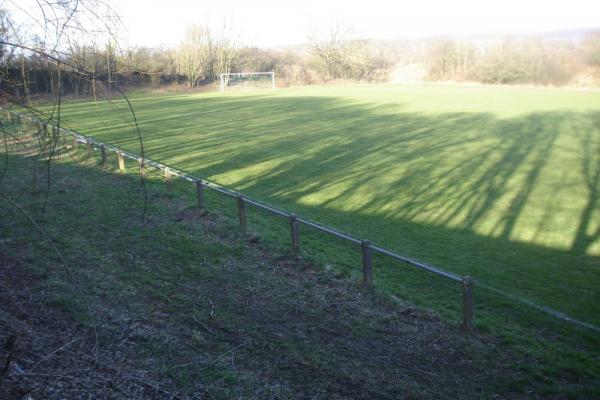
243	80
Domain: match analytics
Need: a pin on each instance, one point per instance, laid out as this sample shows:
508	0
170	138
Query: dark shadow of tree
587	232
346	148
430	185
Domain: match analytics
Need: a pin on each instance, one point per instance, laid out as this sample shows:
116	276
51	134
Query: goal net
247	80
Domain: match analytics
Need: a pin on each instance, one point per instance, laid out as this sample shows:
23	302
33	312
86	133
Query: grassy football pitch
502	184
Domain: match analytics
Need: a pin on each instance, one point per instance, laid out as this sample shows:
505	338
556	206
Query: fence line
366	246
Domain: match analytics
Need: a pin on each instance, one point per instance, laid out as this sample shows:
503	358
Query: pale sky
279	22
283	22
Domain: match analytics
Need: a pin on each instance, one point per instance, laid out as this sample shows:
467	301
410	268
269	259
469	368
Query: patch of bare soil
44	354
286	328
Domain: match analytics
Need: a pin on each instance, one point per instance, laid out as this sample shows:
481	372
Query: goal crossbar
223	76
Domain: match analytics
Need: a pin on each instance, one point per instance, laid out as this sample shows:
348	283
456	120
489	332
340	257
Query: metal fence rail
201	184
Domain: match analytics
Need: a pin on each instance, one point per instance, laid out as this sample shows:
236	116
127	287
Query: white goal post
224	78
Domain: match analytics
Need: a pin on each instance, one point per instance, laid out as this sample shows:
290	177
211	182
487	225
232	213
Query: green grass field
499	183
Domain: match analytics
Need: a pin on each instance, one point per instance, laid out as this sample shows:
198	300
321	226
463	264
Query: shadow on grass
175	271
513	202
569	351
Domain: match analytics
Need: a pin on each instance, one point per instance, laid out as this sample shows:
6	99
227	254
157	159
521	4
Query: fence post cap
467	280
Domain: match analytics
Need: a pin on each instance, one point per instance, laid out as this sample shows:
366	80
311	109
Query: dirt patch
47	355
265	324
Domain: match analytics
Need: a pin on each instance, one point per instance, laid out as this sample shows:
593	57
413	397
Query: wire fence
242	202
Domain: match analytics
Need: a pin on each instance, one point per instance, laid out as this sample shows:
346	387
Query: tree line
537	60
339	54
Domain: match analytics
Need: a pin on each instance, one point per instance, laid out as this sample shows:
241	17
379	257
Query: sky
281	22
272	23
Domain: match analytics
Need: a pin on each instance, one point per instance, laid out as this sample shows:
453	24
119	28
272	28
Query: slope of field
185	307
498	183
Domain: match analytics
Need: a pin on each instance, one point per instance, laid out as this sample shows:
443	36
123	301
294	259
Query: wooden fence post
366	259
141	166
295	233
168	178
121	161
241	212
90	150
200	193
467	285
103	154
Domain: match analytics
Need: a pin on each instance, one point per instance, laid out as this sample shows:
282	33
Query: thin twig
202	325
47	356
59	61
212	361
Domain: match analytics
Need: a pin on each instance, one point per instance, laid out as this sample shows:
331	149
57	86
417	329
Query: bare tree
330	49
204	54
342	54
225	50
194	53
